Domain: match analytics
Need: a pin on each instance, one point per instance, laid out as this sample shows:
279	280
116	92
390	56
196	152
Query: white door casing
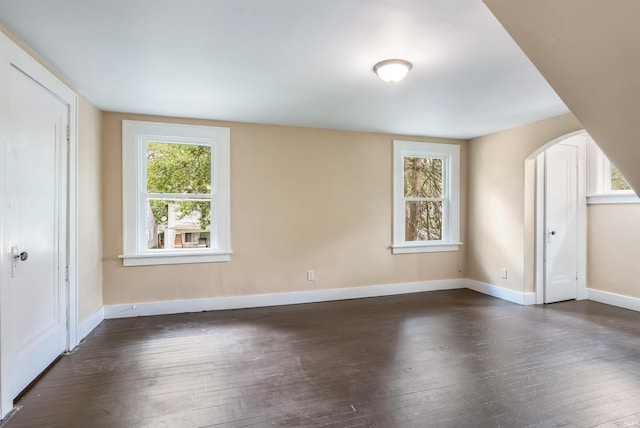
38	306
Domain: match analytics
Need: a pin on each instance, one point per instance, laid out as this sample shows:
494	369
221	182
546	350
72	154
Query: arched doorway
555	219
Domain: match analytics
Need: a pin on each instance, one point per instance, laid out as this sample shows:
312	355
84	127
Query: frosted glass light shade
392	70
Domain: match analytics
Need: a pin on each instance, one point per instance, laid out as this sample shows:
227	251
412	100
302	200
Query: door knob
19	256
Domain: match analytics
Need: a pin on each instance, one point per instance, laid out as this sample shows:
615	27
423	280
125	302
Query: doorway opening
560	225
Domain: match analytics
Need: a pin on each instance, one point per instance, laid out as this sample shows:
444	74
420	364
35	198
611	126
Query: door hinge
68	134
66	273
576	275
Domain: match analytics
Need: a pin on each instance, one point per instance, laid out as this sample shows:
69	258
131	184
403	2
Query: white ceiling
292	62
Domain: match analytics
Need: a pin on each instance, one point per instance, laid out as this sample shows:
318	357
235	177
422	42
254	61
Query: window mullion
417	199
179	195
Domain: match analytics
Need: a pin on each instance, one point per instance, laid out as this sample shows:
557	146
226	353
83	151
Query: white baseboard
313	296
501	292
614	299
90	323
276	299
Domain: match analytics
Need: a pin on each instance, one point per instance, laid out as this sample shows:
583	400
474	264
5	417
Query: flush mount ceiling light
392	70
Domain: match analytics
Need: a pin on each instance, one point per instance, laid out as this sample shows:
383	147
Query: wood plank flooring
440	359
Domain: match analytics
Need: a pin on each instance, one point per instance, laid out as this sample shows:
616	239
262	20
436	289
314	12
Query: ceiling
292	62
589	50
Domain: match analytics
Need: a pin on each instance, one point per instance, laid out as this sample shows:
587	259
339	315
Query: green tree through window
180	169
617	180
424	198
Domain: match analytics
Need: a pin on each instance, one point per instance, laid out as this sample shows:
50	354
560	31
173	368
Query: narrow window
605	183
424	201
617	180
426	187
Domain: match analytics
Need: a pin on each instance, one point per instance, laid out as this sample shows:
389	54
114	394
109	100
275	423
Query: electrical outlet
503	273
311	275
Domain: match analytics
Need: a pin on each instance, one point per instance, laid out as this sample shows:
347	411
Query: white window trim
615	198
599	180
134	136
451	192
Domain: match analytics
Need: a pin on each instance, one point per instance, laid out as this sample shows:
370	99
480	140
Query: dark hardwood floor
440	359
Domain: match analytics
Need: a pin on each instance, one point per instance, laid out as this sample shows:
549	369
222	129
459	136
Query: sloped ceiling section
589	51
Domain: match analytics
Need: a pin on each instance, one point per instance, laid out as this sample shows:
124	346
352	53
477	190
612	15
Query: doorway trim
540	193
12	55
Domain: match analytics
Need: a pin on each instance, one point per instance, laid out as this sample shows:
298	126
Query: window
426	197
175	193
616	180
606	185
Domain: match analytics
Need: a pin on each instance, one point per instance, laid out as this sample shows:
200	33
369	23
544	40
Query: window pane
617	180
178	168
423	177
173	223
423	221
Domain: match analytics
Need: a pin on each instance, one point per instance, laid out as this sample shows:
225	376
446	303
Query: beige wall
588	52
89	209
301	199
496	203
613	248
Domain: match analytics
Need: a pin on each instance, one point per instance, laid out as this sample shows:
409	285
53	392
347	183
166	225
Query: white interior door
561	223
34	230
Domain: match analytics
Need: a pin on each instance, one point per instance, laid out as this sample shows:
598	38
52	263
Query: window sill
421	247
174	258
628	198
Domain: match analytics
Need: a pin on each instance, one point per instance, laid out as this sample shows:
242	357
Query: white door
561	223
34	229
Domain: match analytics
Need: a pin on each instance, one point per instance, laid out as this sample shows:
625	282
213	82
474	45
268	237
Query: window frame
135	136
599	179
450	154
